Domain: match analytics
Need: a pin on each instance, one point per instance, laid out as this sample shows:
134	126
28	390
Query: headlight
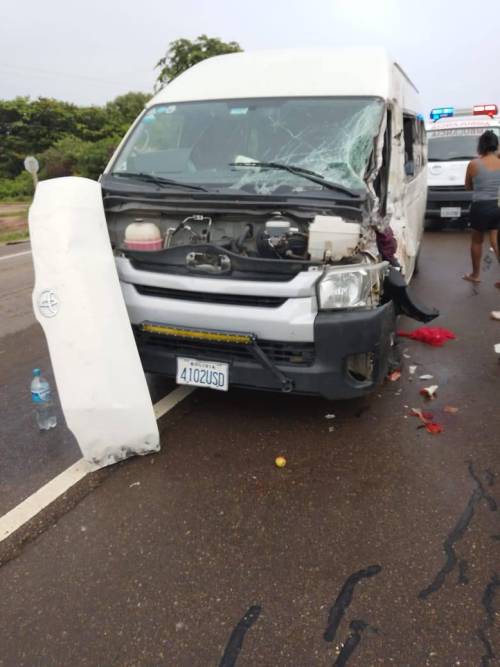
356	286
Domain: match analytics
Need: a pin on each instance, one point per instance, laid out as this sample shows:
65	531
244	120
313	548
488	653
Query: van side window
381	183
422	134
409	132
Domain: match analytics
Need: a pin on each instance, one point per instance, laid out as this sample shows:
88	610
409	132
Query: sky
89	52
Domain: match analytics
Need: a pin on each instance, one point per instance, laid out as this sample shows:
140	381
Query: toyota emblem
48	303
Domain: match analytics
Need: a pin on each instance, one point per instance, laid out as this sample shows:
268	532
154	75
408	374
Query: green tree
184	53
62	134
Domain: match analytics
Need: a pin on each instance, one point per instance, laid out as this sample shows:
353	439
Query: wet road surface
377	544
29	459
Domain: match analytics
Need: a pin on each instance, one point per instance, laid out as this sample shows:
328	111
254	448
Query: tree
63	133
184	53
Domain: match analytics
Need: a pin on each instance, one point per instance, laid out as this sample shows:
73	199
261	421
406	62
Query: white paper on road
78	301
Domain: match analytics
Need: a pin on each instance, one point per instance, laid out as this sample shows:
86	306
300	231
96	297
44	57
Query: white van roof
292	73
461	122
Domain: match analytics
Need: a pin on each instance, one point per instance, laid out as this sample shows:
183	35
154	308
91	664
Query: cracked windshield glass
200	142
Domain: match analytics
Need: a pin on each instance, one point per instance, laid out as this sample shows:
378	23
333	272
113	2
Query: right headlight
355	286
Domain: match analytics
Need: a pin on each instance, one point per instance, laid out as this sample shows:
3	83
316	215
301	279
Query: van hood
451	174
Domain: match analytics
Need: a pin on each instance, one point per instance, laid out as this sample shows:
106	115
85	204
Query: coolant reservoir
143	236
330	237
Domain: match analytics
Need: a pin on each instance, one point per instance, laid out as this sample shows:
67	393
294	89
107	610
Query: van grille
296	354
447	188
210	297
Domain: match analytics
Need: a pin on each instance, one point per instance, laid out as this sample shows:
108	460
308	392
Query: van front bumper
323	367
444	197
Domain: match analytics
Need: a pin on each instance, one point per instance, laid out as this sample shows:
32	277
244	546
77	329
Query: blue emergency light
442	112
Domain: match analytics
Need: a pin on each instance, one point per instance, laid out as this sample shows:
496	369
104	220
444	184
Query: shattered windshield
199	143
454	144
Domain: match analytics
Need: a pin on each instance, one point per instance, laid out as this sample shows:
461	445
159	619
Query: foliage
184	53
16	189
31	127
73	156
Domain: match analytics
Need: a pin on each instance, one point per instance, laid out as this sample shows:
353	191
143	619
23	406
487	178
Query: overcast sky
90	51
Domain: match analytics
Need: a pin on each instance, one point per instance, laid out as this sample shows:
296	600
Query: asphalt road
377	544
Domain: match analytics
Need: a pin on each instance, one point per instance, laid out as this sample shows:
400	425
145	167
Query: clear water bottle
42	401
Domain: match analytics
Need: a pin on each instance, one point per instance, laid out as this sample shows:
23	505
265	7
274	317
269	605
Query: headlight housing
354	286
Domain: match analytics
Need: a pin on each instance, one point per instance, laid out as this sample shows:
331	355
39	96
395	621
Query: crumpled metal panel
78	301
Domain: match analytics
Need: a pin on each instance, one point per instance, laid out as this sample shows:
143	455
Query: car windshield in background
454	144
198	143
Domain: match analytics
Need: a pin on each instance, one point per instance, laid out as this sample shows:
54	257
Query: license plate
197	373
451	211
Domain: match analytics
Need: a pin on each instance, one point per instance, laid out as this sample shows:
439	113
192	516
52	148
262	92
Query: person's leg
493	233
476	251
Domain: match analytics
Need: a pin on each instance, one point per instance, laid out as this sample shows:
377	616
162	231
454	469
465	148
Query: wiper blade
450	159
299	171
157	180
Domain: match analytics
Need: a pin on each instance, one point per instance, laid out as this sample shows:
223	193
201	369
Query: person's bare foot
497	284
472	279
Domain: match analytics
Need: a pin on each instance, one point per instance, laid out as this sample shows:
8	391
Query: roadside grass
12	237
13	222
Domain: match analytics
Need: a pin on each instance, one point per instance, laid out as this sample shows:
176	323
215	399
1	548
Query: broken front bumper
343	343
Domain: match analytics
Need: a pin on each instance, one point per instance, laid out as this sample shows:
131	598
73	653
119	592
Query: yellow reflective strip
213	336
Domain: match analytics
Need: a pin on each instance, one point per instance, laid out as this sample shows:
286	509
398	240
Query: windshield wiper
455	158
299	171
156	180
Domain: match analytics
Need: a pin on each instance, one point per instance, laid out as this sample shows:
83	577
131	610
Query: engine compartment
272	236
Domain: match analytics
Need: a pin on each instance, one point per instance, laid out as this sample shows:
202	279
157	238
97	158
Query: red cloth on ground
435	336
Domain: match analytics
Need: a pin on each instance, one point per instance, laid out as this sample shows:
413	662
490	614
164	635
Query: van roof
460	122
288	73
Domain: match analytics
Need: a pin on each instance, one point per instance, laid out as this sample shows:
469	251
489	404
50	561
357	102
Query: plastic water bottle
42	401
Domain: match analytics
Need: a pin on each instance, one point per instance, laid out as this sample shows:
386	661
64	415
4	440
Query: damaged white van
266	211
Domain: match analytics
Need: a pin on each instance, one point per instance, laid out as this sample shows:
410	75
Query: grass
9	237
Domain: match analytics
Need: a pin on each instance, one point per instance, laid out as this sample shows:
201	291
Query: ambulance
452	142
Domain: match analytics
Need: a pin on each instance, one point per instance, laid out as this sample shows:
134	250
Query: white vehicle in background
452	142
250	208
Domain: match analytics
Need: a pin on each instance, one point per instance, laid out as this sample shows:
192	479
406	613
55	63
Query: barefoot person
483	178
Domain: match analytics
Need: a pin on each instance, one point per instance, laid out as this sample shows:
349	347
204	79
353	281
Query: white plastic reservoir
330	237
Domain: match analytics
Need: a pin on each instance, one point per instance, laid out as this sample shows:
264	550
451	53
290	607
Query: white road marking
38	501
35	503
170	400
17	254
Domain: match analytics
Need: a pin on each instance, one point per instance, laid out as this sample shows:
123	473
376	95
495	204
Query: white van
248	208
453	135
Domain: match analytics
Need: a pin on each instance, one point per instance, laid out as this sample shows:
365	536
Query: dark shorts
485	215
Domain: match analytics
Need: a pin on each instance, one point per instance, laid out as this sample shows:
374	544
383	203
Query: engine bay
277	235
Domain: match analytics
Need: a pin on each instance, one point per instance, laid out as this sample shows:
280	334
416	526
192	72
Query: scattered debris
331	429
330	416
497	348
424	416
429	392
435	336
394	376
450	409
434	428
426	377
406	356
134	484
412	369
280	461
495	314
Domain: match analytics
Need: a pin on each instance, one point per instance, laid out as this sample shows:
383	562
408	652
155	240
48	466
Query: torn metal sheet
79	304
